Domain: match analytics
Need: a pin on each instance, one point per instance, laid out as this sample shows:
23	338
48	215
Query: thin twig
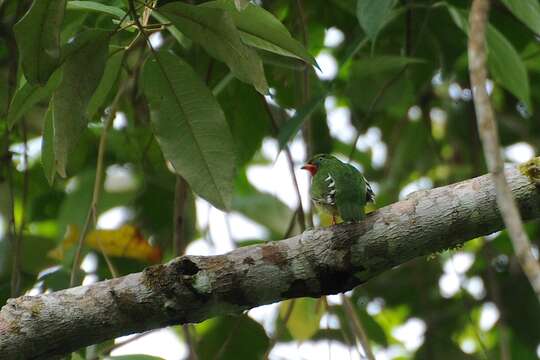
92	210
487	127
275	128
357	326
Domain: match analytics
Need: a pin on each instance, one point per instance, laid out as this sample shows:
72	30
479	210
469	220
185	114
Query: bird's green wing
350	192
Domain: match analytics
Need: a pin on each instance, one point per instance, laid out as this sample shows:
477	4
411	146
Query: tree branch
487	127
318	262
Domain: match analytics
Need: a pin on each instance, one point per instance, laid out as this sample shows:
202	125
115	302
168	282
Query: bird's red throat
311	168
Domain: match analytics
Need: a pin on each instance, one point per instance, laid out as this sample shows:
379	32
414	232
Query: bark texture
317	262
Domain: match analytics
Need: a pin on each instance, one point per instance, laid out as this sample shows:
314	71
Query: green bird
338	188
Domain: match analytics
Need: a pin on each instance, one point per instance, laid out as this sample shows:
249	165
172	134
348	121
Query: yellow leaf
126	241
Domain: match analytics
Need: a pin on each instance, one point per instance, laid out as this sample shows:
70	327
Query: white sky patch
266	316
475	287
33	152
333	37
120	178
90	279
454	91
199	247
243	228
422	183
328	65
89	263
466	95
411	334
372	140
163	343
375	306
438	115
391	352
488	316
329	321
468	346
459	262
156	40
339	123
330	103
538	351
333	299
114	218
414	113
519	152
449	284
120	120
492	236
437	79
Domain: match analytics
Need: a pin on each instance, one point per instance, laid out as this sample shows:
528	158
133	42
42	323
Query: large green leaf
96	7
305	317
503	60
38	39
29	95
232	337
215	31
106	85
82	72
528	11
373	15
260	29
190	127
248	121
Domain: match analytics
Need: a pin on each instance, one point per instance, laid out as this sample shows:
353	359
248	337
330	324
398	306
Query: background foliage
383	83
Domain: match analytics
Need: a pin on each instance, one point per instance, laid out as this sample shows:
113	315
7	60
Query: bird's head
314	164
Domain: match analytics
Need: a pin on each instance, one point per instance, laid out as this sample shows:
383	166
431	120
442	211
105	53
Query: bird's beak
310	167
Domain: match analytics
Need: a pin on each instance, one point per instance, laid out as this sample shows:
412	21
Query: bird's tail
351	212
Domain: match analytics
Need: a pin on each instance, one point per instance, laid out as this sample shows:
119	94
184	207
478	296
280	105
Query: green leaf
38	39
504	62
106	85
528	11
47	147
373	15
248	123
260	28
233	337
190	127
305	317
96	7
214	30
291	127
29	95
82	72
